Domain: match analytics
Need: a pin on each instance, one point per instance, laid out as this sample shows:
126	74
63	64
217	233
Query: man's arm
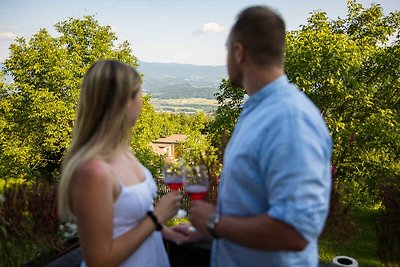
257	232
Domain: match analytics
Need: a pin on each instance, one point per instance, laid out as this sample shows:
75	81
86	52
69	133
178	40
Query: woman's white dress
129	209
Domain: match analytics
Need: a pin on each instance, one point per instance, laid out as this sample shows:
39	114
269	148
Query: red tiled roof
172	139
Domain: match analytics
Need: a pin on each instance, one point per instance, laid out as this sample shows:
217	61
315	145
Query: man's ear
240	52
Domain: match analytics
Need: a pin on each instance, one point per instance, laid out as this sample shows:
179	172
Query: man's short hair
262	32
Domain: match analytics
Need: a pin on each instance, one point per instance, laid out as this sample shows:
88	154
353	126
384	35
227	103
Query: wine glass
174	173
196	184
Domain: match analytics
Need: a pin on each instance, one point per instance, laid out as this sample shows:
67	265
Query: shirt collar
266	91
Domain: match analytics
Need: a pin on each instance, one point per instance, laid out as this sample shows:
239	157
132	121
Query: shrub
29	224
388	222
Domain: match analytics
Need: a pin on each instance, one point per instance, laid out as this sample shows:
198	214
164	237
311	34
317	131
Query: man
275	182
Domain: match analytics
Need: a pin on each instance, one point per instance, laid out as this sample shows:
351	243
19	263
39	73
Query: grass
362	245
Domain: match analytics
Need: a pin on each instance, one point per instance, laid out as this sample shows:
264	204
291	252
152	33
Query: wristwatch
213	220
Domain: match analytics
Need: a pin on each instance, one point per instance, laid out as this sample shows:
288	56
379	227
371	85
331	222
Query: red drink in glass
196	192
174	183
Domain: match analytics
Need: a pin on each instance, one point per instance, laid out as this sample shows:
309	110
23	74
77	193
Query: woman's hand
186	233
170	234
168	206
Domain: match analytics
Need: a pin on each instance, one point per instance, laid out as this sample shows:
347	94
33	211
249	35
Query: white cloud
210	27
7	36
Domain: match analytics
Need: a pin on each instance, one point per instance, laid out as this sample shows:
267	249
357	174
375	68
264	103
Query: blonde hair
102	125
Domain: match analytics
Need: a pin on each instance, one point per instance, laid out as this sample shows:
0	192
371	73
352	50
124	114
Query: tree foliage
230	100
37	114
350	68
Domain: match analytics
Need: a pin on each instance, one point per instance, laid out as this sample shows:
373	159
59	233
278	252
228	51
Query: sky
169	31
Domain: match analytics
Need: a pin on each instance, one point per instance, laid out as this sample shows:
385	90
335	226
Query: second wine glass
196	184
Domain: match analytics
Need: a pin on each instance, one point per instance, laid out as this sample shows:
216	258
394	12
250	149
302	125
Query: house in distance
167	146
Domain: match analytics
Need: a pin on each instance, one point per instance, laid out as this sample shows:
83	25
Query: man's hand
199	214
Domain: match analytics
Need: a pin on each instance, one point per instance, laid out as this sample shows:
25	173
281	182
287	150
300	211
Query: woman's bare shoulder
92	171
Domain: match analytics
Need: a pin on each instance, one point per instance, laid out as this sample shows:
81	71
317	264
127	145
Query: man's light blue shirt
277	163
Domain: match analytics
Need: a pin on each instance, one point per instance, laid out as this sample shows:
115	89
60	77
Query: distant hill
173	80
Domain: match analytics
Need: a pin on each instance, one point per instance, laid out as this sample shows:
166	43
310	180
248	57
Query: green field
184	105
362	243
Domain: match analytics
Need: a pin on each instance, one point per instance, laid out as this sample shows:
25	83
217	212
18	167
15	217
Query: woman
103	187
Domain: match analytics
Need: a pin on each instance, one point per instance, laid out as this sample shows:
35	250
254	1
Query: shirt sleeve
297	175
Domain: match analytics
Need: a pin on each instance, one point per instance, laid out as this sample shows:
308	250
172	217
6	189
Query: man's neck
254	79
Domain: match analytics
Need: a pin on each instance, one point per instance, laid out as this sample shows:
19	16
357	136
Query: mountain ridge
176	80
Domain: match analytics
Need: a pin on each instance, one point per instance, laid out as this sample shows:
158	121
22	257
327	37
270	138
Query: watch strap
153	217
212	223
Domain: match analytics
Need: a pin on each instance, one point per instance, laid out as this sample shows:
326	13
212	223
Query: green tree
230	100
2	83
37	115
350	68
